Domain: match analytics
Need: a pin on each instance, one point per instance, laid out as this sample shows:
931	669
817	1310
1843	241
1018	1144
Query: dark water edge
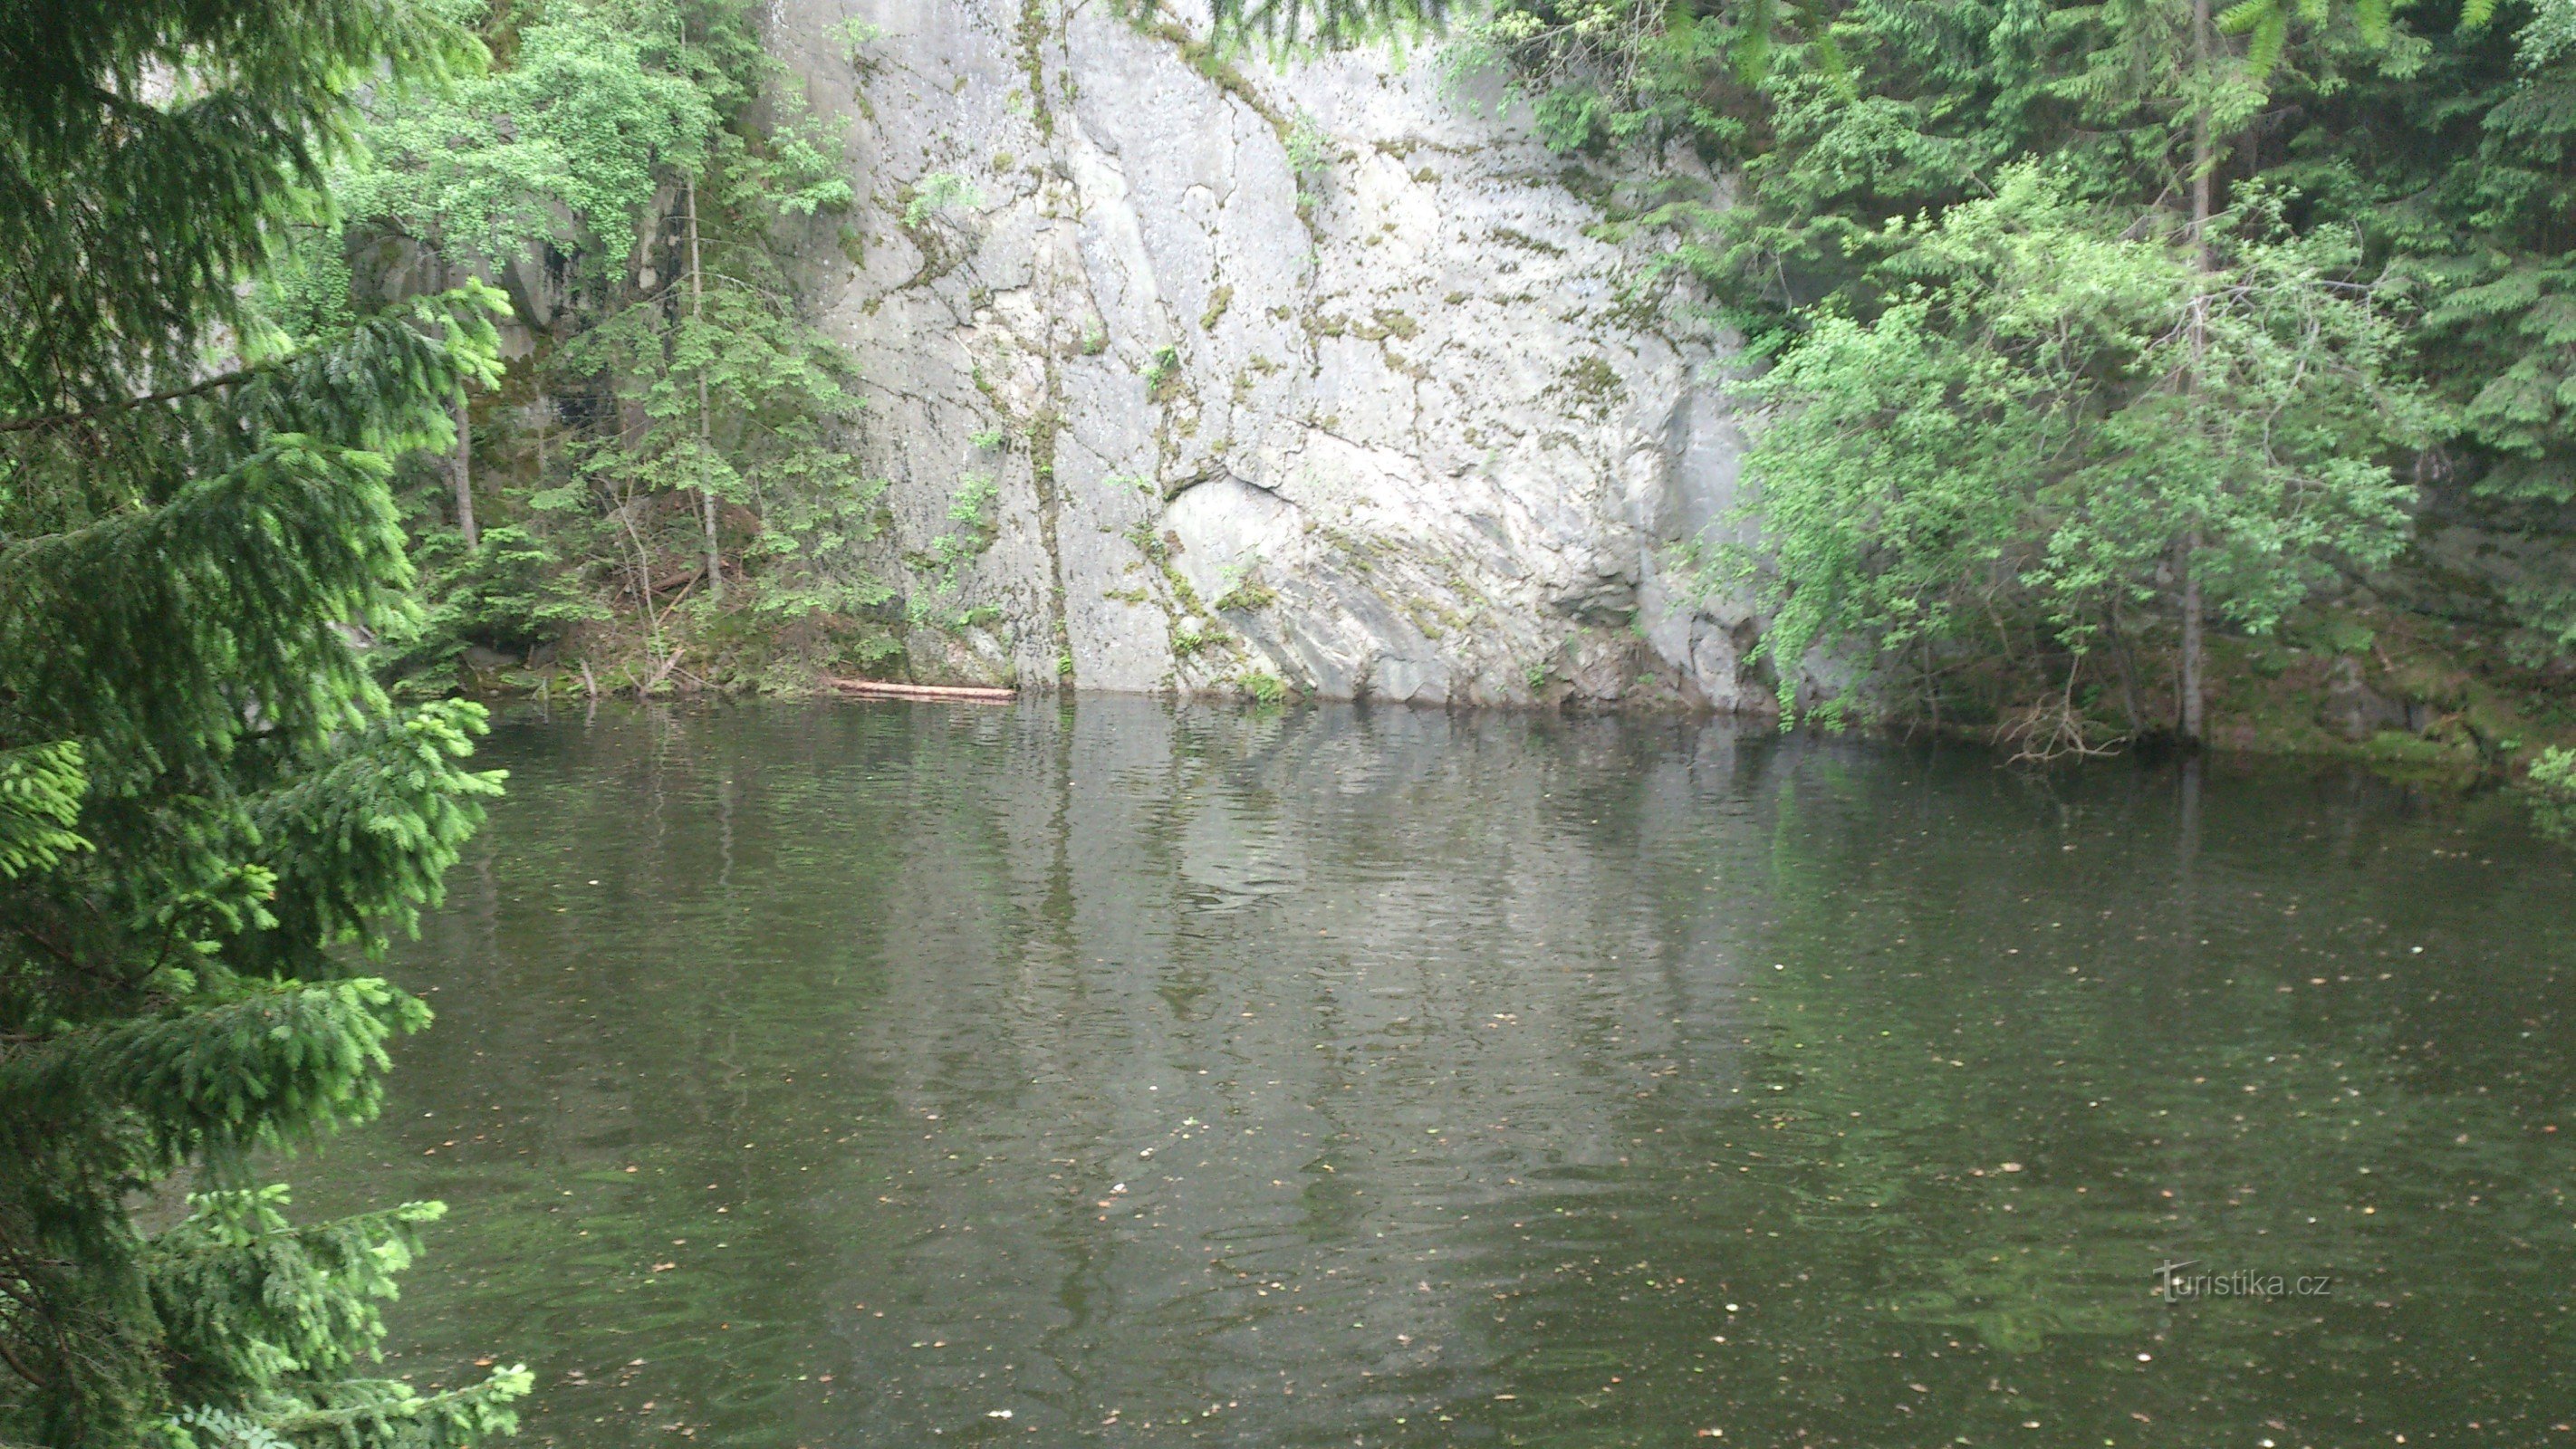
1477	1078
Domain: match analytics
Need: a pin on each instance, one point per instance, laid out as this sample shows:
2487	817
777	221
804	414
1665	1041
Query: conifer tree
211	819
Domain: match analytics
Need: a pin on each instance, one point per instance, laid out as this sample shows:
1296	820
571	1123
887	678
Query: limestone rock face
1192	375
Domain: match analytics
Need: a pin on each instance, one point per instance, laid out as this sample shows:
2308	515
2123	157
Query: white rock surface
1392	425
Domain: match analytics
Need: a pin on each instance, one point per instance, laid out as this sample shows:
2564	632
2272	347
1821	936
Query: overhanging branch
194	389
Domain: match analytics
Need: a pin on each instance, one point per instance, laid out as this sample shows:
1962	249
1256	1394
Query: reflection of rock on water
859	1017
1353	980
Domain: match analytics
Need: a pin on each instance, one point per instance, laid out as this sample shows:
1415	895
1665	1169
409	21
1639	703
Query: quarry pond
891	1074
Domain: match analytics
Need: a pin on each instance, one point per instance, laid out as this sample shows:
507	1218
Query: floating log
882	689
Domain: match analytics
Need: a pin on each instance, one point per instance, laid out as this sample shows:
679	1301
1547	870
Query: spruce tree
211	819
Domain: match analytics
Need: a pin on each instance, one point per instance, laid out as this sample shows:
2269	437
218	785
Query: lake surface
888	1075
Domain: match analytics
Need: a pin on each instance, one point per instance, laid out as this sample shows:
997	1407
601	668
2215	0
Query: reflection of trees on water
2061	1064
1474	1056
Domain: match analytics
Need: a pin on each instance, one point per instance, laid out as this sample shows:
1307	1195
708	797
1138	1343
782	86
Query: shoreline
2399	755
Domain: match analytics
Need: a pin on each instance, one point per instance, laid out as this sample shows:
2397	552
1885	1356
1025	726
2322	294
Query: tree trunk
2202	44
2127	664
643	568
697	316
464	472
2194	705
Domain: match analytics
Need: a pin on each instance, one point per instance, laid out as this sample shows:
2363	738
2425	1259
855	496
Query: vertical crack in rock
1043	431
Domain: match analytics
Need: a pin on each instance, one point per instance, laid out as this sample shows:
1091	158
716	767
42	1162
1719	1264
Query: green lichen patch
1212	64
1243	592
1587	387
1032	35
1513	237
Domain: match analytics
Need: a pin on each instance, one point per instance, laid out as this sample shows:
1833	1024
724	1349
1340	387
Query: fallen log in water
881	689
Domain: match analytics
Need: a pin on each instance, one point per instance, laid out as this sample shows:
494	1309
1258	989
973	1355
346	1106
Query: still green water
865	1075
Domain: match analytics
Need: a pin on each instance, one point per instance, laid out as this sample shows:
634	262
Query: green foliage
234	1272
766	441
593	109
211	817
1294	25
2034	420
1238	590
1310	155
2553	791
2487	253
512	593
856	36
2414	167
202	175
971	509
40	799
606	121
1264	689
2266	24
1597	69
2555	773
938	192
973	503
